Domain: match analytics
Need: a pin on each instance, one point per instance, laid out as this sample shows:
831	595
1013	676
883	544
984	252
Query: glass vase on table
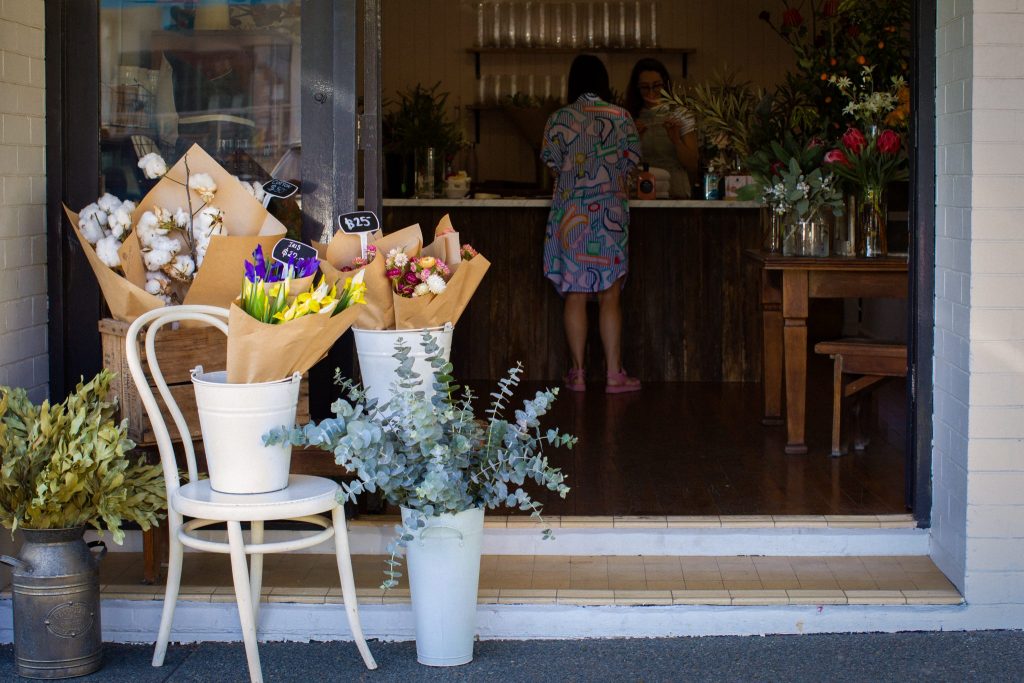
873	241
805	235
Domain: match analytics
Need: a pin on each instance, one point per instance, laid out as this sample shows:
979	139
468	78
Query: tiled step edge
900	521
579	597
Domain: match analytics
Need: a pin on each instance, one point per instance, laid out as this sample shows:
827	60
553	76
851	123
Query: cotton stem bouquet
174	246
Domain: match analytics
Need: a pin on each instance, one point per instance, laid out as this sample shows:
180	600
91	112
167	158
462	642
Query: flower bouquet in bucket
410	287
283	323
184	241
432	457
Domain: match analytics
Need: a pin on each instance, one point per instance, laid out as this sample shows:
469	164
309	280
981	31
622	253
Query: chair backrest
155	319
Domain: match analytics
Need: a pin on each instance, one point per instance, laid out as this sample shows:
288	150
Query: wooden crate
178	350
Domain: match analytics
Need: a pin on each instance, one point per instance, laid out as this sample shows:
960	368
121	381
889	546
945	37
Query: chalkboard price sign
287	249
280	188
358	221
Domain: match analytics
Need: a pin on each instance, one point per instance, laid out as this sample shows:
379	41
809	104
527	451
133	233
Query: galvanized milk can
56	589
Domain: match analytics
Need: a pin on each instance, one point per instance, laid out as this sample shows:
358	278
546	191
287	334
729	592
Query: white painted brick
997	356
17	130
991	324
995	126
31	161
995	521
990	588
20	373
997	291
27	12
37	130
989	422
15	67
995	554
996	224
997	455
997	389
998	158
16	191
996	488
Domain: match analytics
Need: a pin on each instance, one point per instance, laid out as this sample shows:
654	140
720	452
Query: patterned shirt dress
591	145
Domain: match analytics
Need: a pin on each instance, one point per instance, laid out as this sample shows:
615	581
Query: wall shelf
682	52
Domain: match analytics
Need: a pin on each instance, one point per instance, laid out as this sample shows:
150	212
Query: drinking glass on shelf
496	37
654	24
590	24
513	40
622	24
542	13
482	89
605	35
557	37
479	24
637	40
528	24
574	27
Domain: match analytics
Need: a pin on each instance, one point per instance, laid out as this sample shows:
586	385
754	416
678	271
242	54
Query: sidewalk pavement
905	657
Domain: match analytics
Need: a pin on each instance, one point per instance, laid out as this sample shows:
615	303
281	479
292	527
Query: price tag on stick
281	189
287	249
360	223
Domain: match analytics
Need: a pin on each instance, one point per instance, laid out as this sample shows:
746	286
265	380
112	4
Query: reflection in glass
222	75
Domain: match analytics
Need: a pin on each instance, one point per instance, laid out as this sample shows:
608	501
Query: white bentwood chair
306	499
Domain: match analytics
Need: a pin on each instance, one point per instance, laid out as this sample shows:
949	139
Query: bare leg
575	318
610	314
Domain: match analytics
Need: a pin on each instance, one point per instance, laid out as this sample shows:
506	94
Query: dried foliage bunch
67	465
430	454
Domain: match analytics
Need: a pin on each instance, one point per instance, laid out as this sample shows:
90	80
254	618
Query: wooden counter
690	306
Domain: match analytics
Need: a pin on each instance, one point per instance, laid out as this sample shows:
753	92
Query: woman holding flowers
591	146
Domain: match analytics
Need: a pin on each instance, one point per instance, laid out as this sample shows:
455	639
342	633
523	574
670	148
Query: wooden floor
700	449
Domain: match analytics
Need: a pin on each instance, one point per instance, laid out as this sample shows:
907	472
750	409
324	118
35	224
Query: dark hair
634	102
587	74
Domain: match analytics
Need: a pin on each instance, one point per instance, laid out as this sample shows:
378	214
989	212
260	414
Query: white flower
157	283
107	248
436	284
109	203
255	188
203	185
120	223
421	289
181	268
209	221
153	165
93	212
91	230
181	218
401	259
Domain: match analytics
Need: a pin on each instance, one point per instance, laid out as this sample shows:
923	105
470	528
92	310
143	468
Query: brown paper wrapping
219	280
432	310
258	352
379	311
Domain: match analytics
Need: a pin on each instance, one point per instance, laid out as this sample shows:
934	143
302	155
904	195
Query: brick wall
952	286
23	304
995	428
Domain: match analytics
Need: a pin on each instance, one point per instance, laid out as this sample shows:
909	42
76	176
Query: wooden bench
874	361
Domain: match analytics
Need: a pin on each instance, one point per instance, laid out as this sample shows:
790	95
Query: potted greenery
66	466
443	467
417	126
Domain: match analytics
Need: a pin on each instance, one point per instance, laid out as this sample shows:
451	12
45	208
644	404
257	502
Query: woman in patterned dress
591	146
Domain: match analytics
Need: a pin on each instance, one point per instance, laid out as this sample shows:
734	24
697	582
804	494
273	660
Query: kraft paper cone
125	300
446	245
258	352
243	215
218	280
378	313
438	309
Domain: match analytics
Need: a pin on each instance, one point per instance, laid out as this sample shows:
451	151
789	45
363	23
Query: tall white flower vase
376	349
444	573
233	419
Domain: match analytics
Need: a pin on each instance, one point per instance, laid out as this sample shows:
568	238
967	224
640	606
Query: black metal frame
921	336
72	162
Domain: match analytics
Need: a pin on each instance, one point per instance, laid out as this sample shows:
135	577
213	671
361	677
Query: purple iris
278	270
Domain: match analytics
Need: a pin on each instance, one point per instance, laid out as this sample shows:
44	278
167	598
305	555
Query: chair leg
175	556
240	574
348	584
837	405
256	571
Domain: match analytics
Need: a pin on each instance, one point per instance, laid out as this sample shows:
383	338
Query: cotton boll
209	221
153	165
120	223
181	218
107	248
157	283
109	203
155	259
93	212
129	206
91	230
203	185
181	268
257	191
168	244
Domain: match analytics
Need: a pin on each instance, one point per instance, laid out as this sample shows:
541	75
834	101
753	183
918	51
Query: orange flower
862	60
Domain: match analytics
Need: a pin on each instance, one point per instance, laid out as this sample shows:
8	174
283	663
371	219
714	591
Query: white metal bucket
376	349
444	574
233	419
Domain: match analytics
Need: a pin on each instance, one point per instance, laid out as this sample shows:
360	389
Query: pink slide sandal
576	380
621	383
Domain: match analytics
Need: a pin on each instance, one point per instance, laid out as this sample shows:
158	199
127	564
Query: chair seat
304	495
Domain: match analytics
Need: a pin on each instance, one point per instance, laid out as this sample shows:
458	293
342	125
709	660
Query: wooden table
787	285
